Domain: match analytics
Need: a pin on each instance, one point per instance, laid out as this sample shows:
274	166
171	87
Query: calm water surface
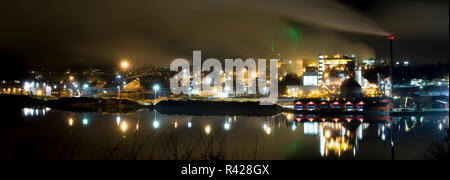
54	134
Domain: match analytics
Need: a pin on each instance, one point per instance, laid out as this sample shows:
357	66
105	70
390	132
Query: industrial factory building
326	78
336	66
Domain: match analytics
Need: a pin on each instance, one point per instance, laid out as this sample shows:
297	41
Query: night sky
60	34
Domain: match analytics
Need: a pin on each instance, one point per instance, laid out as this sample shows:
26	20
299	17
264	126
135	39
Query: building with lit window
310	79
402	63
336	65
384	85
371	63
333	70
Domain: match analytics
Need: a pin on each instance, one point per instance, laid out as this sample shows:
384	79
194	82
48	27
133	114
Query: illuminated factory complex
332	73
336	66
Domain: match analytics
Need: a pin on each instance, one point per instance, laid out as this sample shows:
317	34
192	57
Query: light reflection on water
284	136
35	112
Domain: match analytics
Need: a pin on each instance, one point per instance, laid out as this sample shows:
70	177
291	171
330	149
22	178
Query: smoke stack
391	44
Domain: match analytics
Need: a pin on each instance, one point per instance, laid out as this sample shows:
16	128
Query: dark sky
62	33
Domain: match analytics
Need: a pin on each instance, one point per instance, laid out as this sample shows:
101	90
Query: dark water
54	134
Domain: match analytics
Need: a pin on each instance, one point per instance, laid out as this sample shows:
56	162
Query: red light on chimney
391	37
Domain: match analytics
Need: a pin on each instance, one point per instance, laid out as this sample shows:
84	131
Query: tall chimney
391	43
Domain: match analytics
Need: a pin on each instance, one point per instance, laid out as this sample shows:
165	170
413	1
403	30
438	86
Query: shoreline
180	107
75	104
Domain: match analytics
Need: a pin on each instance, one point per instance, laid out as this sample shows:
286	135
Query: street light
156	89
124	64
